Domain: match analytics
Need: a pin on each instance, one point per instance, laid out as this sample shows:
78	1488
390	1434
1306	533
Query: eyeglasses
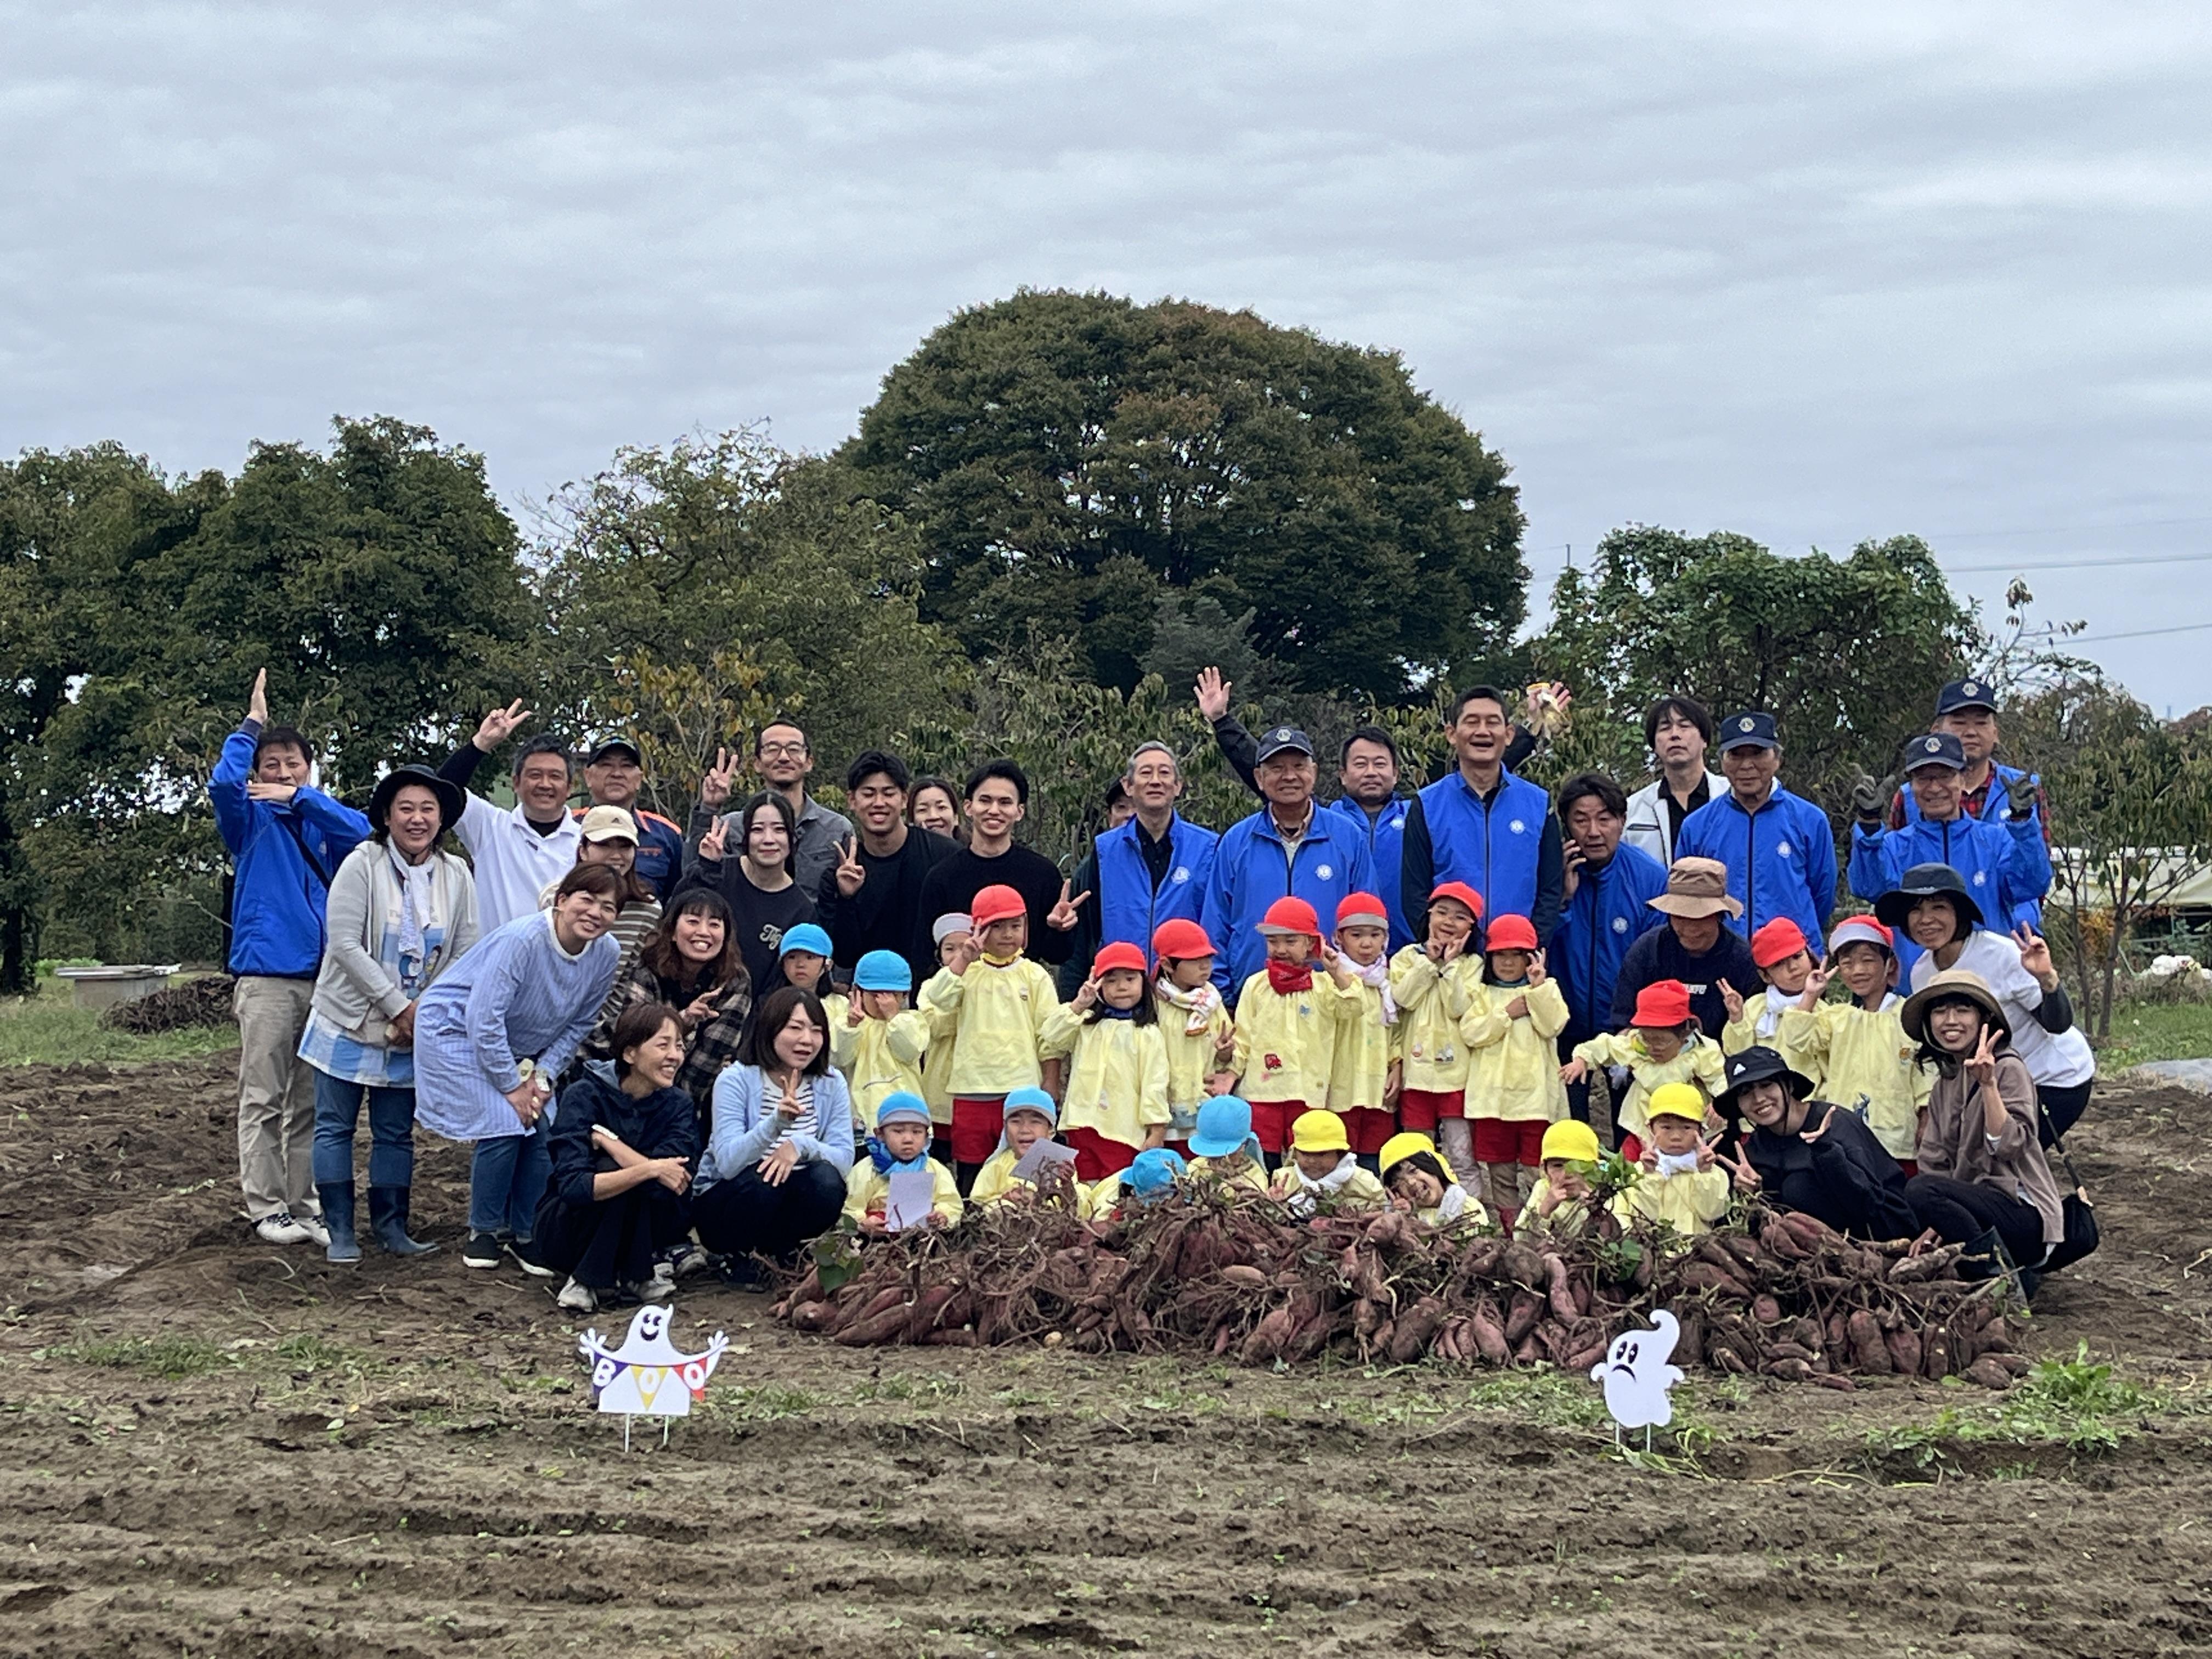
783	750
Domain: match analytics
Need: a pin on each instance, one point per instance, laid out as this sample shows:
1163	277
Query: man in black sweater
1693	947
997	795
871	899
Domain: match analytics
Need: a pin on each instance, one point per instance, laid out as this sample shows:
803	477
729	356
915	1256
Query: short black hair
870	762
544	745
1478	694
781	719
1367	734
776	804
640	1023
1688	708
758	1046
1609	793
1116	793
1001	768
283	736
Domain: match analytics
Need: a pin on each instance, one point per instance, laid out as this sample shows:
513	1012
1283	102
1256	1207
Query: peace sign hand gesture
1982	1066
1808	1136
851	873
714	787
1062	916
1086	996
1815	983
2035	955
1536	973
500	724
1732	999
1739	1170
715	843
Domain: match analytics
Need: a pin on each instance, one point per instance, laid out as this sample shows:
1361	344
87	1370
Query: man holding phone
1609	886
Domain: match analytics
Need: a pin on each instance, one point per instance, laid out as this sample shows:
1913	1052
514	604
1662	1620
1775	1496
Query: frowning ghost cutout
1636	1375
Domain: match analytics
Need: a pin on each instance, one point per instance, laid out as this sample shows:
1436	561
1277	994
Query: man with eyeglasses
784	760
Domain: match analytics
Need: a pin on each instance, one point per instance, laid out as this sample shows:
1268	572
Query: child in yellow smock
1511	1030
1116	1101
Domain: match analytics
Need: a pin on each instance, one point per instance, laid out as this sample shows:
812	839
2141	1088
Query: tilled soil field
213	1447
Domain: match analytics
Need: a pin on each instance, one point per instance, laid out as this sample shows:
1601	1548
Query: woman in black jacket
1809	1155
624	1143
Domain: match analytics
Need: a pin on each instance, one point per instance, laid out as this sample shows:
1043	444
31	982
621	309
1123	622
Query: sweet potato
1904	1351
1779	1241
1865	1345
1807	1333
1223	1338
809	1315
1521	1265
1381	1342
1929	1264
1725	1357
1704	1276
1268	1338
1835	1380
1786	1349
1244	1278
1989	1373
1526	1351
1836	1332
887	1325
1766	1310
1936	1353
1788	1371
1418	1324
1808	1230
1744	1249
928	1310
1561	1293
1528	1307
1490	1333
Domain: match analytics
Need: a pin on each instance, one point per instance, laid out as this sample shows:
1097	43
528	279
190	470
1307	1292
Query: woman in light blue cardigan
493	1034
774	1172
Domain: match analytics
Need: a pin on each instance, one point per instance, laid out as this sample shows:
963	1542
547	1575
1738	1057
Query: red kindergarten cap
1461	893
1778	941
1362	910
1117	955
996	904
1665	1003
1291	915
1509	933
1860	930
1178	939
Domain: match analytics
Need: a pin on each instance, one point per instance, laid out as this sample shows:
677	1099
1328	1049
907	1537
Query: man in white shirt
516	850
1678	731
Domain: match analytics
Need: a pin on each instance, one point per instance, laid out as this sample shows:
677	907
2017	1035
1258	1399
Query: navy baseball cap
1966	694
1936	749
602	747
1276	739
1748	732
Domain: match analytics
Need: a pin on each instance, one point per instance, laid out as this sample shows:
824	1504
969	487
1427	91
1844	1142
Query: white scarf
418	912
1770	1012
1198	1006
1306	1196
1375	976
1453	1205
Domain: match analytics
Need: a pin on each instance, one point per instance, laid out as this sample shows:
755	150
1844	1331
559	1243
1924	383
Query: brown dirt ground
399	1459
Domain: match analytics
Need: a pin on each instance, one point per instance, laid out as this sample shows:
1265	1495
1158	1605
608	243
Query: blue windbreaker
1252	869
1129	907
1609	911
277	896
1498	849
1780	859
2004	862
1386	847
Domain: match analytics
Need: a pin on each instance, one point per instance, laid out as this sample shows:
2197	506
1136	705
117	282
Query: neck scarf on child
1770	1011
1106	1010
1375	976
1288	979
880	1155
1454	1203
1197	1005
1305	1197
1001	961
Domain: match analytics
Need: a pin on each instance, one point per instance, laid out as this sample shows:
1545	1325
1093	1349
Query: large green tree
1848	652
1066	459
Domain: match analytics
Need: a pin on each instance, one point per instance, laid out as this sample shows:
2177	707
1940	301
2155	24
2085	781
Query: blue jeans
506	1177
390	1132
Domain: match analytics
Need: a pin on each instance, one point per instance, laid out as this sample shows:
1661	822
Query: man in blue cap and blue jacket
1967	710
287	840
1290	848
1778	848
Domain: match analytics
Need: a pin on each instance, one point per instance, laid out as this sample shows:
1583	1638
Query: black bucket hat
1924	881
450	798
1756	1065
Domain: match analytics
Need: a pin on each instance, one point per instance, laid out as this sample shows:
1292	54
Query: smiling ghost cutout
1636	1374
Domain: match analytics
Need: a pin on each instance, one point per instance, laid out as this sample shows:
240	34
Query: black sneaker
482	1250
527	1258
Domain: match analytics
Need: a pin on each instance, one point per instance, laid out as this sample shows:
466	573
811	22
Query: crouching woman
623	1141
1982	1179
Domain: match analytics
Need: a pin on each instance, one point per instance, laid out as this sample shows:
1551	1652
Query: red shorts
1369	1128
1419	1109
1272	1120
1510	1140
1096	1157
1911	1166
978	1120
1632	1148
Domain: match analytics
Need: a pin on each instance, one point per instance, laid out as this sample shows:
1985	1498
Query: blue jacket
1780	859
2029	877
2004	862
1509	851
1996	799
1129	907
1385	847
1252	869
1607	913
284	858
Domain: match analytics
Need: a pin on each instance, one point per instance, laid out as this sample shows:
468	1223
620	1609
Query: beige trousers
276	1098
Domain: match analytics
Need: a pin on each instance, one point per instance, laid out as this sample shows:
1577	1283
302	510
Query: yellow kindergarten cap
1572	1142
1402	1145
1676	1100
1319	1132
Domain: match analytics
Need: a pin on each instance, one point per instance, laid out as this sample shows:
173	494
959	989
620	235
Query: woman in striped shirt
492	1034
774	1172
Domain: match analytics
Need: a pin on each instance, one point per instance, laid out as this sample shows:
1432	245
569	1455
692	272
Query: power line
2133	634
2065	530
2114	562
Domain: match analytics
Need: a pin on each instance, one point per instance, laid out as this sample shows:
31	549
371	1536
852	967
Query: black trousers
611	1241
2062	1108
1962	1210
742	1214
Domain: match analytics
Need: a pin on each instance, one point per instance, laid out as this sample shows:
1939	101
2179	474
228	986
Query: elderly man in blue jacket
287	840
1289	847
1779	849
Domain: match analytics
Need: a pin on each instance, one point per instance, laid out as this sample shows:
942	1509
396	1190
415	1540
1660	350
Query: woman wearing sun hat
1805	1154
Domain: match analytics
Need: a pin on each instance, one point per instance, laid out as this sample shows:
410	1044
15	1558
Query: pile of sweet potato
1227	1274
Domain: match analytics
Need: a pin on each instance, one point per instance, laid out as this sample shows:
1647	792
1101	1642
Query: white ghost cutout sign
1636	1375
645	1377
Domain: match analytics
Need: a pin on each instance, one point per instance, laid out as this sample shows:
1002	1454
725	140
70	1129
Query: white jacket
1647	816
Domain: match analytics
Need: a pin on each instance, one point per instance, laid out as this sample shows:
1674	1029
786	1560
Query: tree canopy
1065	459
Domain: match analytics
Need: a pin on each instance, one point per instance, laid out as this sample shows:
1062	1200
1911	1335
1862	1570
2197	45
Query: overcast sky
1812	273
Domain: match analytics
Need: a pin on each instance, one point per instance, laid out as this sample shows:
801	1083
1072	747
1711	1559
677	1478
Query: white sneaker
313	1226
662	1286
281	1229
577	1298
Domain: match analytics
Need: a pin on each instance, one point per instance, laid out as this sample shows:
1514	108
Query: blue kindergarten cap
1749	731
1031	1100
804	937
1225	1124
1152	1173
878	970
902	1107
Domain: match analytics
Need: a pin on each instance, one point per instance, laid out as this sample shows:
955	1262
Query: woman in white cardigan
400	911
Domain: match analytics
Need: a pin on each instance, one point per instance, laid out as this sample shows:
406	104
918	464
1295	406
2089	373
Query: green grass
2075	1404
171	1356
2155	1031
48	1030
